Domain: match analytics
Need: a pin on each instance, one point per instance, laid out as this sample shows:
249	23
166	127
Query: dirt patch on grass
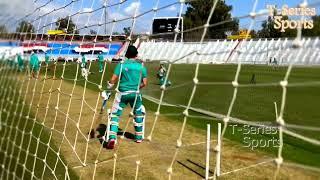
69	119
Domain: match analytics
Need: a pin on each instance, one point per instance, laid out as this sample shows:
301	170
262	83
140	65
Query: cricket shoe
111	144
138	141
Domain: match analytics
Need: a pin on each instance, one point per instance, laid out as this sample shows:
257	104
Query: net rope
23	88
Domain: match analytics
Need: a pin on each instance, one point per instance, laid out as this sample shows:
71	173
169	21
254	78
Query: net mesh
47	117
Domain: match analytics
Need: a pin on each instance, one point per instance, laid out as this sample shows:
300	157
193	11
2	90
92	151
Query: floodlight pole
105	19
182	29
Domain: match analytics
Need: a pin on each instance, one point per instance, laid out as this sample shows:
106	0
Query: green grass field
21	153
253	103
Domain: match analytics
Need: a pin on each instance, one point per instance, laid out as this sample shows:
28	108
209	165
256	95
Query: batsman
132	76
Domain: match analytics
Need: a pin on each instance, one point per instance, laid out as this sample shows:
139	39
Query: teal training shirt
130	75
83	62
20	60
47	58
100	58
34	61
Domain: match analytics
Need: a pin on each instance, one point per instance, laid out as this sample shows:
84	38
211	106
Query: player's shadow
194	167
101	131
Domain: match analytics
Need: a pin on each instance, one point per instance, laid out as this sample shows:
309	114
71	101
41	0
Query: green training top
20	60
130	75
83	63
47	58
34	61
100	58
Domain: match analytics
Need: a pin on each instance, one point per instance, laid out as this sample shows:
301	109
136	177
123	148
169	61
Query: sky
13	10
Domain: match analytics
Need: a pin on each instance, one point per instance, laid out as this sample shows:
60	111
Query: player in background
20	62
3	56
162	72
34	65
11	59
83	61
101	62
275	61
47	58
270	61
133	77
83	66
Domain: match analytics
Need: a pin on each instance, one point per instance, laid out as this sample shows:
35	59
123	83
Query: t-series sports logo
283	23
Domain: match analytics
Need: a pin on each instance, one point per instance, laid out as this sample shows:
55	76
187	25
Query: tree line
221	24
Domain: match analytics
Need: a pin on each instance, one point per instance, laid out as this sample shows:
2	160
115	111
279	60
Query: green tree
3	29
198	12
25	27
127	30
268	30
315	31
67	25
93	32
253	33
